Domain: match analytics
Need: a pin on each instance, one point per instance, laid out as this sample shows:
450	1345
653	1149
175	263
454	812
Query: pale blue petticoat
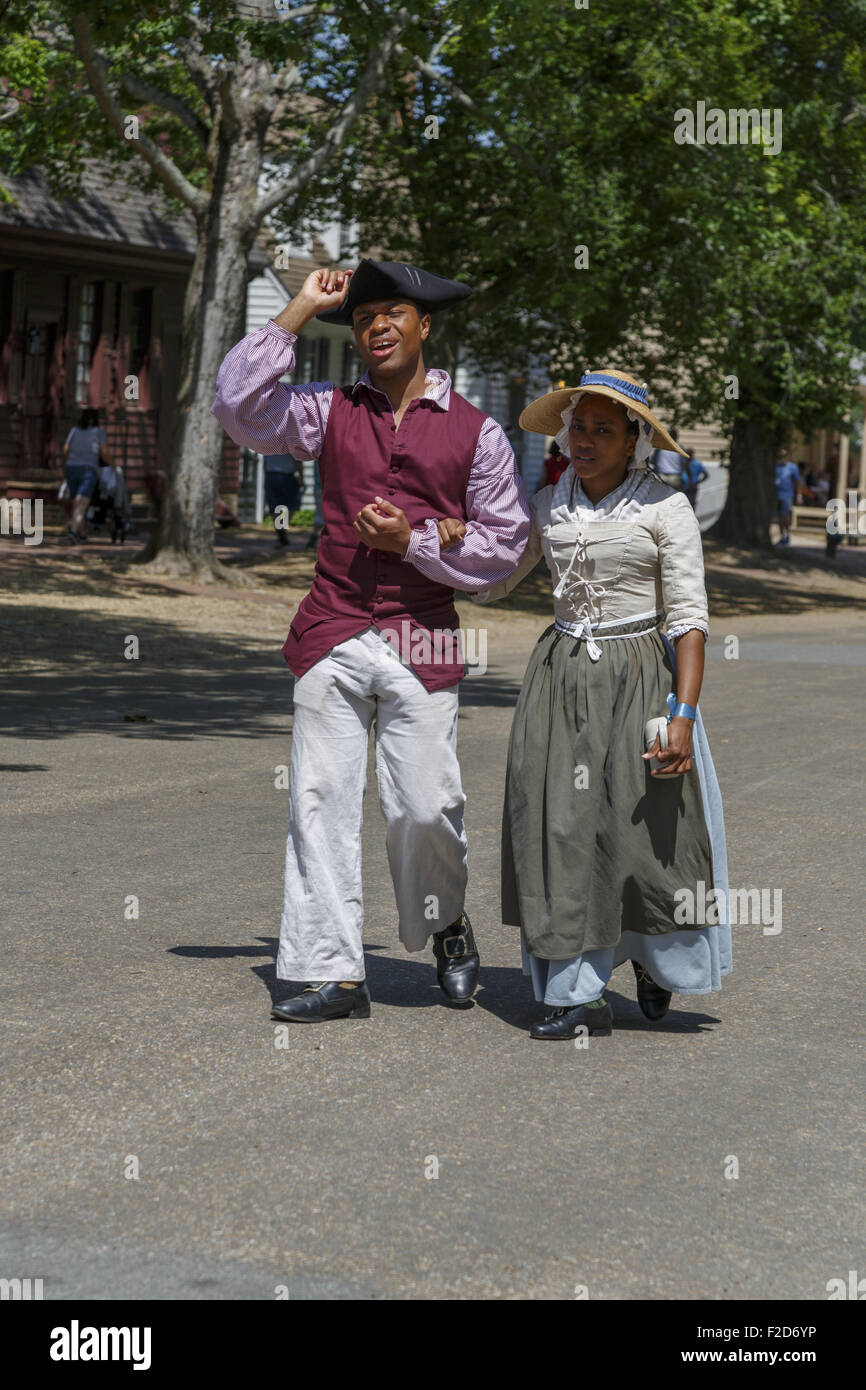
686	962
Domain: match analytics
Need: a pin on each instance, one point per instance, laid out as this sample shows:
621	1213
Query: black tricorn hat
385	279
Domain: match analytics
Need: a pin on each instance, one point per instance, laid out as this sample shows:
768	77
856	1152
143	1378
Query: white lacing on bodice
586	611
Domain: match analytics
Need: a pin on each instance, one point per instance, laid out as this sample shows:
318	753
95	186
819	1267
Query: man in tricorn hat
420	496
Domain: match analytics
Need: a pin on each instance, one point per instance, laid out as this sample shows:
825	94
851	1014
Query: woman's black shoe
564	1023
457	961
318	1003
654	1001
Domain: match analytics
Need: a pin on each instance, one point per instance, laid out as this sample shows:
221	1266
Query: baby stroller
111	504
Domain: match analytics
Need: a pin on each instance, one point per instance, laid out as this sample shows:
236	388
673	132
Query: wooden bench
41	487
808	519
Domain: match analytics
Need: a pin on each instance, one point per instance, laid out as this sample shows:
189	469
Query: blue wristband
684	711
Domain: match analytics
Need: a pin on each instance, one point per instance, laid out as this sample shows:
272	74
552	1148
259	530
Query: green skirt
592	844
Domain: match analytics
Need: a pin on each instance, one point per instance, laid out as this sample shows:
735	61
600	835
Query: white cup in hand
657	729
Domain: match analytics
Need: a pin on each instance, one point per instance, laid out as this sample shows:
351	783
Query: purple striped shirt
261	412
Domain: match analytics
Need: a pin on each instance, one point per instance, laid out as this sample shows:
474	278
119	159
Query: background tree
762	281
218	90
524	146
548	130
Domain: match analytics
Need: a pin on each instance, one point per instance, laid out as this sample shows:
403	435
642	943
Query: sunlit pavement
143	1044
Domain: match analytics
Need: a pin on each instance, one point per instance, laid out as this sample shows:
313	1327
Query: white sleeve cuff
677	629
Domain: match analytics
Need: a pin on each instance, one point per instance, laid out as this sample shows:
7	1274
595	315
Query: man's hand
322	289
451	532
325	289
382	526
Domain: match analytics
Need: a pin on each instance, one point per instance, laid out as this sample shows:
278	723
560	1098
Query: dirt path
49	596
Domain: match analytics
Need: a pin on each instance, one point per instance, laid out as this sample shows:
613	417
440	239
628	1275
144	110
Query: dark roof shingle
113	210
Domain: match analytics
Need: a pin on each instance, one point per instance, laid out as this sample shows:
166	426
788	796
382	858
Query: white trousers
420	794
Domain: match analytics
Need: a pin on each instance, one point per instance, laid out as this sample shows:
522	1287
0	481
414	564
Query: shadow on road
211	688
182	686
411	984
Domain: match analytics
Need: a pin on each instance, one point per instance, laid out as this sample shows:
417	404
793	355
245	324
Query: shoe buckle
458	940
314	989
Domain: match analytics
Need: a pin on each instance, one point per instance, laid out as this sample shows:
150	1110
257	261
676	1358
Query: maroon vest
422	468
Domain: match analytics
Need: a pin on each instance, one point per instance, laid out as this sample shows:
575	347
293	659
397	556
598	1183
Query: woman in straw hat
613	835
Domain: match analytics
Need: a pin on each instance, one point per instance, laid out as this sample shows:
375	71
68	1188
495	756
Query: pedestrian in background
86	445
787	482
554	465
113	505
282	489
825	487
693	474
808	483
666	464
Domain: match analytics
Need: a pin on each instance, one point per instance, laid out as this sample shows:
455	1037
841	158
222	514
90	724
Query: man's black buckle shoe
457	961
326	1000
654	1001
564	1023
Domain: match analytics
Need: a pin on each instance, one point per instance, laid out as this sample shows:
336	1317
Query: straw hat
544	415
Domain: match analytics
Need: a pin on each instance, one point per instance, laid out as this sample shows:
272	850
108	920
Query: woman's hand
677	757
451	532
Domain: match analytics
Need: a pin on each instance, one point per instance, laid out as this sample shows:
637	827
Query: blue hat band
625	388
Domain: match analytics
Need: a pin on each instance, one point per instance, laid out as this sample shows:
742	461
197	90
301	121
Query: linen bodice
635	554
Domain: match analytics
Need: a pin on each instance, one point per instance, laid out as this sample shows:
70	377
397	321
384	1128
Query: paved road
305	1166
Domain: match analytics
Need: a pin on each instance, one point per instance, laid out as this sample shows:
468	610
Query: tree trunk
441	347
745	518
183	542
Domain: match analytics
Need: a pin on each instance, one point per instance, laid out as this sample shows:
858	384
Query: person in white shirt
86	445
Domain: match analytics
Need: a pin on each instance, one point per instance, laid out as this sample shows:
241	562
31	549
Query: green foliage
555	131
705	261
59	124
